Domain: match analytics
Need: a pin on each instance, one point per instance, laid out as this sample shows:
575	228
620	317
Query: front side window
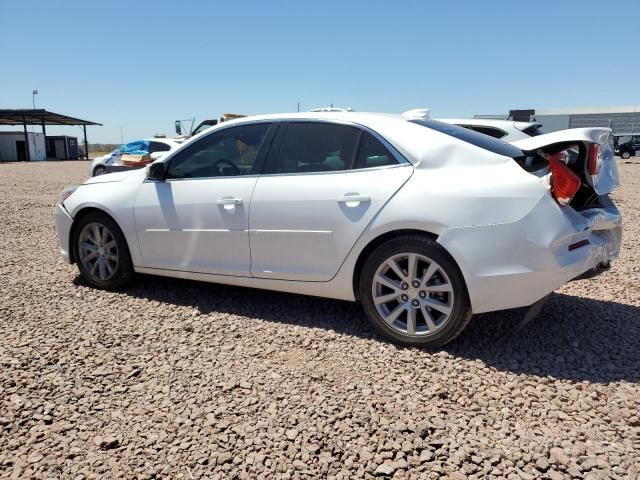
317	147
228	152
372	153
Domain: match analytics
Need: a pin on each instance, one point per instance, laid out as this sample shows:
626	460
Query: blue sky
143	65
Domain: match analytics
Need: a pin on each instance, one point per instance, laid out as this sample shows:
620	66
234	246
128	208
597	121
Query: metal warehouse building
623	120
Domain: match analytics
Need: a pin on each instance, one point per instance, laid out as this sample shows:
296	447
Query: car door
313	202
197	220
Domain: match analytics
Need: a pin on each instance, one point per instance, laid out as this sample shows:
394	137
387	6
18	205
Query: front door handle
229	203
353	199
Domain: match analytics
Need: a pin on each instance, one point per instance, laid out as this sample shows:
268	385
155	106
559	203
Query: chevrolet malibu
424	223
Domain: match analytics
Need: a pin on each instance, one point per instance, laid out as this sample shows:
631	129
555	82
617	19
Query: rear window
533	130
492	132
474	138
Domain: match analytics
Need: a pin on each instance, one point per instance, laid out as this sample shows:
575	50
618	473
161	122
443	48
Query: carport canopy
32	116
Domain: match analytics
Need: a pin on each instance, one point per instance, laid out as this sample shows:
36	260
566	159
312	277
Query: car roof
351	116
420	145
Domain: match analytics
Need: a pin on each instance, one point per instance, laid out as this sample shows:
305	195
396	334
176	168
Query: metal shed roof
37	117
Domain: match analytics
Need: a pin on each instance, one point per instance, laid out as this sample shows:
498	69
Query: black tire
422	245
123	272
626	155
99	170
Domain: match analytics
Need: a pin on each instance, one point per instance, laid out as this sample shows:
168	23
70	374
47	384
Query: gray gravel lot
177	379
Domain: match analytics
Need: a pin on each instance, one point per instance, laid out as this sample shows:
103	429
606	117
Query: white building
623	120
13	147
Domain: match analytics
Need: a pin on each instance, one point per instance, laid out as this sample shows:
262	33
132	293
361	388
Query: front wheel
413	292
626	155
101	252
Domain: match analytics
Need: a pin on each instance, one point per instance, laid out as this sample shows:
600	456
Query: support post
44	134
86	144
26	139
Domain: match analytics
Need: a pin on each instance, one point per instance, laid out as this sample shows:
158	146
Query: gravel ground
177	379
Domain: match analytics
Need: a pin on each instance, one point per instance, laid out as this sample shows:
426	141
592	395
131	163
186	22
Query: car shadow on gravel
574	338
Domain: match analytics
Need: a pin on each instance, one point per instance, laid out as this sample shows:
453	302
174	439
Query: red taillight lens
593	162
564	183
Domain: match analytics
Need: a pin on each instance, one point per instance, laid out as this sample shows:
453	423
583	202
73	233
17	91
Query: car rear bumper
63	223
516	264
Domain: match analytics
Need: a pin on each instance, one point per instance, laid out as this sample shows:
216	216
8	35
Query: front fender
115	199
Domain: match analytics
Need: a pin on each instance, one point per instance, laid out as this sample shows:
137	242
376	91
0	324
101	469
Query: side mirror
156	171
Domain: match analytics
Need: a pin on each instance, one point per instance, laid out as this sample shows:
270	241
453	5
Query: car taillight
593	162
564	183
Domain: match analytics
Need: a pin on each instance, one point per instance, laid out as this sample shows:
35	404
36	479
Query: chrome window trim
337	172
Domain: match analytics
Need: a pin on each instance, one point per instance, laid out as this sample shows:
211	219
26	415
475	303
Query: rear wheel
99	170
413	292
101	252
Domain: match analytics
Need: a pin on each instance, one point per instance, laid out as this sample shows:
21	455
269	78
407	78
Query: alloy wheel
98	251
413	294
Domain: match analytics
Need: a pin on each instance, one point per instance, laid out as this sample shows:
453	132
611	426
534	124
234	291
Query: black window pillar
86	144
44	134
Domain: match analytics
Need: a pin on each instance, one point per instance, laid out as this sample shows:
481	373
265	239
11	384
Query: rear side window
317	147
372	153
474	138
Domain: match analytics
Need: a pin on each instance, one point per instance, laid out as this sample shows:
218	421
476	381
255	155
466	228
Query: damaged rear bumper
516	264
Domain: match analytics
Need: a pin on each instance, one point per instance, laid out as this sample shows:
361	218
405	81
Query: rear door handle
229	202
354	199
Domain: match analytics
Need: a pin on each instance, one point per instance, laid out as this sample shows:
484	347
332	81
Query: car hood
133	175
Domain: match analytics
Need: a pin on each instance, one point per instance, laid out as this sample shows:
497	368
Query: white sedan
505	130
422	222
158	146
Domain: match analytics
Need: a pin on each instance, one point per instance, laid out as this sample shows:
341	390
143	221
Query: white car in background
100	165
505	130
423	222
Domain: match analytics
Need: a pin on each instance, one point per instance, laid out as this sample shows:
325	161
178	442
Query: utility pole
298	106
33	135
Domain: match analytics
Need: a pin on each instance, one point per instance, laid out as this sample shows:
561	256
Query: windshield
474	138
204	125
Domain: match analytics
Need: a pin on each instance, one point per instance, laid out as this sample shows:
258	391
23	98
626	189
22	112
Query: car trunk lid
591	156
